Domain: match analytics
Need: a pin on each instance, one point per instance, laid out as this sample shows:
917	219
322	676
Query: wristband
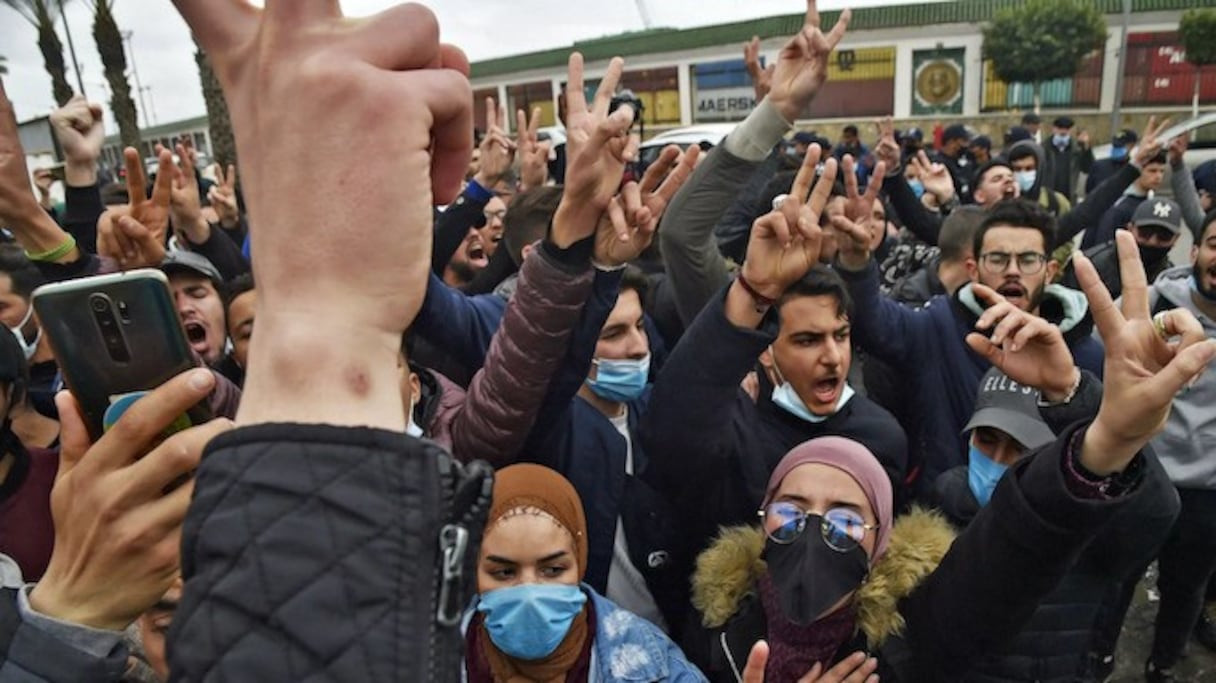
1072	393
763	303
605	268
52	255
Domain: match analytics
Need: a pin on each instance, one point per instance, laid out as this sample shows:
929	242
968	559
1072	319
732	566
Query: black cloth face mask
809	575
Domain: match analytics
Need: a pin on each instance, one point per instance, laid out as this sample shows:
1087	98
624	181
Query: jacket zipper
445	477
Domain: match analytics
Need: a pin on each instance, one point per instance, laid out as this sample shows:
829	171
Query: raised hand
185	209
887	150
1083	139
152	212
854	227
856	668
597	146
79	128
935	177
1144	368
1150	144
785	242
19	209
222	197
43	179
1027	348
127	241
117	532
533	154
629	224
382	83
802	65
497	150
762	77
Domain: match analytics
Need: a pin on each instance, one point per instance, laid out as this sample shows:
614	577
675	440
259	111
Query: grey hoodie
1187	445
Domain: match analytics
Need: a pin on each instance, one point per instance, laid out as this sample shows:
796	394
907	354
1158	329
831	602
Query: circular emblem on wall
939	83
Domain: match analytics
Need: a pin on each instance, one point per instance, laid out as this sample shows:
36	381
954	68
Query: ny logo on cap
1162	210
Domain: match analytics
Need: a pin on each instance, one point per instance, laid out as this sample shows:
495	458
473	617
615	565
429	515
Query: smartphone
115	338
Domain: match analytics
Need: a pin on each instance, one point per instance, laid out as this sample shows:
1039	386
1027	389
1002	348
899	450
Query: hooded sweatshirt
1056	203
1186	445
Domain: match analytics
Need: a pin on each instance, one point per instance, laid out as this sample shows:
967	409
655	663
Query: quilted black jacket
313	553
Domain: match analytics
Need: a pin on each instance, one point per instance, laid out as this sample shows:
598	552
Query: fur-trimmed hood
728	570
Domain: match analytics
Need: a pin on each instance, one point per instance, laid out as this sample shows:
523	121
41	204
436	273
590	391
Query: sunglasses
842	528
1146	232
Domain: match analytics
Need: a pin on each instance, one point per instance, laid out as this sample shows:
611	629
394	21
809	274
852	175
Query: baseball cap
1017	134
179	260
805	137
1012	408
914	134
1159	211
1126	137
1063	122
955	132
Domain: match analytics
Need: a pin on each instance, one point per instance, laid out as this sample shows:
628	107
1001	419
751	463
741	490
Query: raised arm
1065	493
923	223
80	130
694	265
1087	215
1183	185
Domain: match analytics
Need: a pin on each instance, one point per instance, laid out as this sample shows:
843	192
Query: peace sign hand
222	197
629	224
762	77
785	242
533	154
854	226
887	150
497	150
1148	361
802	65
1150	146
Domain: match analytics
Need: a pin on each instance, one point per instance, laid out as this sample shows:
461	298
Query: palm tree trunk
113	58
52	54
223	143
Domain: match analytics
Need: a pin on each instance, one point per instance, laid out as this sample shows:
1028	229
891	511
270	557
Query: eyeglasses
1162	233
1029	262
842	528
495	215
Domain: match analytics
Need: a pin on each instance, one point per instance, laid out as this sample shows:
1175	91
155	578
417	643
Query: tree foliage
1198	29
114	60
42	15
219	123
1042	40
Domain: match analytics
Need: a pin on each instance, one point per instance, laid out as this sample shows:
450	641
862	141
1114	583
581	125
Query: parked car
1202	132
707	135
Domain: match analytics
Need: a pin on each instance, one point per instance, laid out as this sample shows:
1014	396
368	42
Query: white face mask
27	348
411	427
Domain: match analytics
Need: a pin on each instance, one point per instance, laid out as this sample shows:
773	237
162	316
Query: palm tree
223	144
42	14
114	60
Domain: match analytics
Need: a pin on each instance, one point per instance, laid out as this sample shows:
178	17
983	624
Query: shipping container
1157	72
1082	90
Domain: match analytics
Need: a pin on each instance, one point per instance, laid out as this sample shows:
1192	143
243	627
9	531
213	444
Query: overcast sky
483	28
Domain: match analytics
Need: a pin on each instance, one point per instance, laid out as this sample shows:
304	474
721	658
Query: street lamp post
143	107
72	49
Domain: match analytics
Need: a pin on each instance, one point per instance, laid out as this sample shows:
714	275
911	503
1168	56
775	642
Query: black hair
1021	152
634	279
21	270
1208	221
1160	158
237	286
849	130
528	217
958	231
1017	213
820	280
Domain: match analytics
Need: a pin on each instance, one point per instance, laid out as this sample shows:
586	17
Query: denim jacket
627	648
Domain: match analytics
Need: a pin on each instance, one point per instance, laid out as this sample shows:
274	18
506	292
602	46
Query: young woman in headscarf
829	580
532	619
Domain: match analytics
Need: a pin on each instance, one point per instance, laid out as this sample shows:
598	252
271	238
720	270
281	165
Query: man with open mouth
928	347
196	285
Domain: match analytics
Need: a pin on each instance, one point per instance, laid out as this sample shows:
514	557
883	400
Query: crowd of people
779	411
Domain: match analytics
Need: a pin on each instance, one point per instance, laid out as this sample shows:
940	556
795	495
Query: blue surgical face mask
529	621
983	473
1026	179
1118	153
918	188
1061	140
788	400
620	380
